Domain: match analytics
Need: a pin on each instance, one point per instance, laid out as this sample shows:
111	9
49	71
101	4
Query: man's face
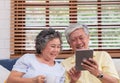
79	40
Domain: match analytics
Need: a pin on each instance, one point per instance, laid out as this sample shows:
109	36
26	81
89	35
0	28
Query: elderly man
99	69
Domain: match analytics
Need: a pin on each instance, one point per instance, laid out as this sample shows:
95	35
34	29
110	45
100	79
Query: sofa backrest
117	64
8	63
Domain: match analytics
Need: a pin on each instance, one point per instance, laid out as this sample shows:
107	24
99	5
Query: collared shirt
105	65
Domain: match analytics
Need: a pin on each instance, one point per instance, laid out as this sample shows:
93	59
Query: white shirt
29	65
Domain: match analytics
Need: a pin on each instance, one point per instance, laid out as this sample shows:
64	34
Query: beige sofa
4	72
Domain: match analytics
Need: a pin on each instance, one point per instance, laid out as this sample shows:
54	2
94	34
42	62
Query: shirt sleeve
108	65
22	64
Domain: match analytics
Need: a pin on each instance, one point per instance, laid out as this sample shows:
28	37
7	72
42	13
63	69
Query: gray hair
73	27
44	37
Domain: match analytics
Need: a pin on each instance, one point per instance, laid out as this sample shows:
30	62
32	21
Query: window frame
72	6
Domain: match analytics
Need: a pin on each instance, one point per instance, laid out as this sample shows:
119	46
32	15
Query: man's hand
74	75
91	65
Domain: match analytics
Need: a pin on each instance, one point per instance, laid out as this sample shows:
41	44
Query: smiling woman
36	68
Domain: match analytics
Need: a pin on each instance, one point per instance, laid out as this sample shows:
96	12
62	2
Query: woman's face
52	49
79	40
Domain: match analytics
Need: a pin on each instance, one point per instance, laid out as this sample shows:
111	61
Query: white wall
4	29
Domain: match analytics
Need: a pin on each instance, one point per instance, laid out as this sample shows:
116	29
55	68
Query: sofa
7	65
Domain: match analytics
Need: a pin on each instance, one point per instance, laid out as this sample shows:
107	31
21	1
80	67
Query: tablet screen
80	55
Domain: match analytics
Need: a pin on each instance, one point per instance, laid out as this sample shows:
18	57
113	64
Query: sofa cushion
4	73
8	63
117	64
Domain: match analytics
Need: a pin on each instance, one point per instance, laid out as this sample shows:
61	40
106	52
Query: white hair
73	27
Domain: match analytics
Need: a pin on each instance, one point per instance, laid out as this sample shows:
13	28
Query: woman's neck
45	60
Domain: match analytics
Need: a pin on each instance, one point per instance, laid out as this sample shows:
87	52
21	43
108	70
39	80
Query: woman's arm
16	77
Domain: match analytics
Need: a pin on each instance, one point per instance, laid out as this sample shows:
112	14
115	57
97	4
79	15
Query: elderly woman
40	67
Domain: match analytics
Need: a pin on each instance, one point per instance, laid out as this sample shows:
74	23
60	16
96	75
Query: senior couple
41	67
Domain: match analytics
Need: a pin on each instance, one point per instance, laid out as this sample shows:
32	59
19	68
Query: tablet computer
80	55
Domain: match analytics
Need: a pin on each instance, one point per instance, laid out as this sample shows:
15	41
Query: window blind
29	17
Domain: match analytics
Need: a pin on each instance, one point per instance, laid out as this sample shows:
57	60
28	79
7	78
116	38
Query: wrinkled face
52	49
79	40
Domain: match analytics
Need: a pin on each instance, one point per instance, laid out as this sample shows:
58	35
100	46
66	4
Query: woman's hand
39	79
74	74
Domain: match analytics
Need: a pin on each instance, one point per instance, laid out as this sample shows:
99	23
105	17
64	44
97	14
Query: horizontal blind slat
29	17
